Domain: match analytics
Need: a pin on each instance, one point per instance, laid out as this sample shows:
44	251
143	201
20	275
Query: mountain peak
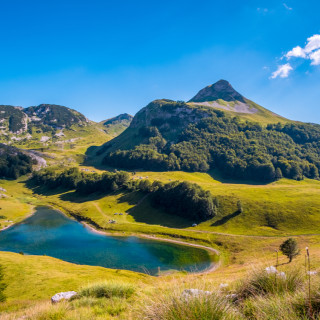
219	90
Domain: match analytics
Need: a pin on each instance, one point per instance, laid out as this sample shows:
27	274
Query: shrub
109	289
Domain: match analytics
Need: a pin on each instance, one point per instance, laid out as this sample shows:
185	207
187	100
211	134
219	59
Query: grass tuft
174	306
259	282
107	289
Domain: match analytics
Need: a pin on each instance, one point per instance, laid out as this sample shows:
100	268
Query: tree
278	174
290	248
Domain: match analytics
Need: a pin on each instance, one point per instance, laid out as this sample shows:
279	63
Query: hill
118	124
60	134
217	129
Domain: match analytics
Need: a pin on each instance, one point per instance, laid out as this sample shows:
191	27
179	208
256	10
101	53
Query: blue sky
108	57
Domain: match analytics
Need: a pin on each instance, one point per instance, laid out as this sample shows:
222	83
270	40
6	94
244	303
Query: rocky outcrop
63	296
219	90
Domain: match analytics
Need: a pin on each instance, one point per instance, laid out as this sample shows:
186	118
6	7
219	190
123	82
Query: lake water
49	232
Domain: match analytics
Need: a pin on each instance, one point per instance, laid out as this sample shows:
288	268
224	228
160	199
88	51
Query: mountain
217	129
42	123
116	125
56	116
56	127
221	90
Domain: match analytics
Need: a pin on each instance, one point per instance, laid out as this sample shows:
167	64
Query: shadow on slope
218	176
225	219
145	212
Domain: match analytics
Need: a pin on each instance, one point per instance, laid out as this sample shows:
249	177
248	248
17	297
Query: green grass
108	289
36	278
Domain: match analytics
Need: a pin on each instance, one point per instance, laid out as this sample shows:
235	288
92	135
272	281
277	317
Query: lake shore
33	210
213	265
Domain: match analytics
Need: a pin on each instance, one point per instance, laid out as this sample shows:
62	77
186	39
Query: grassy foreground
271	212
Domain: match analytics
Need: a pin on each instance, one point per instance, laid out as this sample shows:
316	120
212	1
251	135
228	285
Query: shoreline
213	265
24	218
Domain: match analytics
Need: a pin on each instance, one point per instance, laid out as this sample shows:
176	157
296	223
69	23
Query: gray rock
194	293
63	296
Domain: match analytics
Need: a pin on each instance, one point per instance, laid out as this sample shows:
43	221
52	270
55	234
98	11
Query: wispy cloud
287	7
311	51
282	71
263	10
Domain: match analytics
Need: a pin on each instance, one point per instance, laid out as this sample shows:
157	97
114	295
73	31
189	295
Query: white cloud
282	71
287	7
296	52
313	43
315	58
311	51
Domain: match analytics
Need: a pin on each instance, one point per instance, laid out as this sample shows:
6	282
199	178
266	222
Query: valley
219	151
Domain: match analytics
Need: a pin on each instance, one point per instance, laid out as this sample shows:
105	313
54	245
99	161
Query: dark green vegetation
13	162
241	150
290	248
184	199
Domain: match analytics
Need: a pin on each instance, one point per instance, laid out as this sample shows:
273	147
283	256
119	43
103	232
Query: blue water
49	232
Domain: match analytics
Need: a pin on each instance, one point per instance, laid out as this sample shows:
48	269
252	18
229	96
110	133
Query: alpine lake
49	232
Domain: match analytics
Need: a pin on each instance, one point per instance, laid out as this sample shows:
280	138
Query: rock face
63	296
219	90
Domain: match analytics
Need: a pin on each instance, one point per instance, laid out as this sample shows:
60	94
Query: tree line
13	163
184	199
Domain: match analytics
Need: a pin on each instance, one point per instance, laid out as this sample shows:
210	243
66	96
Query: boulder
63	296
194	293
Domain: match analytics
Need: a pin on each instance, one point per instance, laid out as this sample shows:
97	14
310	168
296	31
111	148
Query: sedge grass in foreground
262	296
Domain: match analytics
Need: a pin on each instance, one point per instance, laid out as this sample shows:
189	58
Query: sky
104	58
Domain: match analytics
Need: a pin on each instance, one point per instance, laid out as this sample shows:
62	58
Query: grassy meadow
245	241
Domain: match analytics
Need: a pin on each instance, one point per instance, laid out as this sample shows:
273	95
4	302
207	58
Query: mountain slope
61	134
210	133
221	95
116	125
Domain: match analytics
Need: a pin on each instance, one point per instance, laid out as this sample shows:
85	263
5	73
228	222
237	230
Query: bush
107	290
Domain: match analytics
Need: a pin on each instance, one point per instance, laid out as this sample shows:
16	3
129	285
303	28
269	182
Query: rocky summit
219	90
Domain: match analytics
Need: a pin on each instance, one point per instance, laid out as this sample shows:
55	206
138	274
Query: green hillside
116	125
237	137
